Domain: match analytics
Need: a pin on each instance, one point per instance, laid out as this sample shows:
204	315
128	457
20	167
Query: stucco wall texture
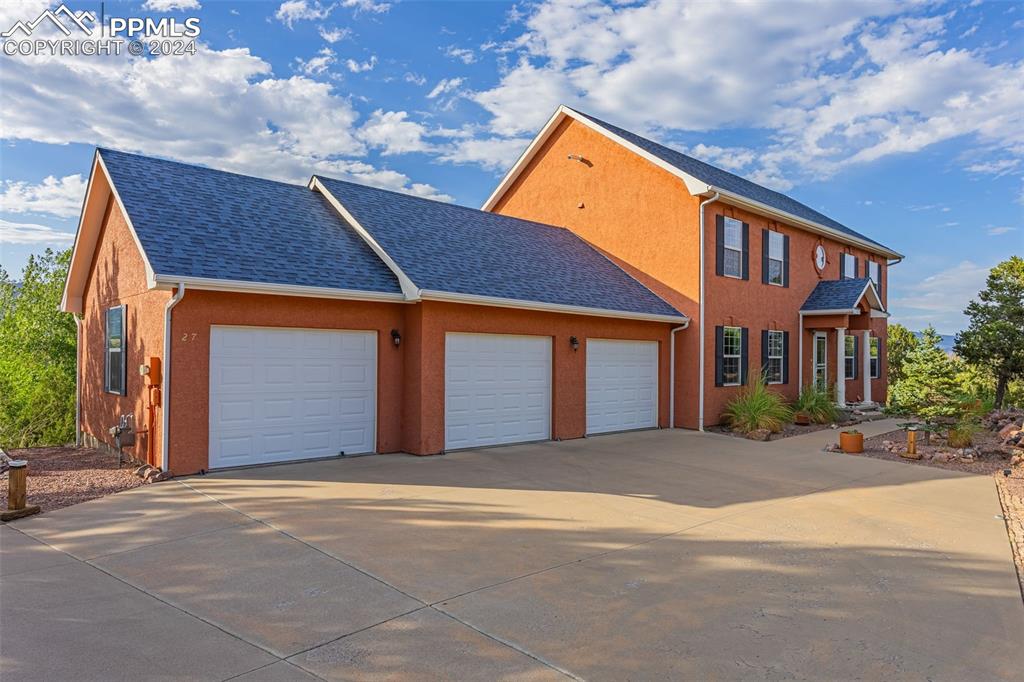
645	219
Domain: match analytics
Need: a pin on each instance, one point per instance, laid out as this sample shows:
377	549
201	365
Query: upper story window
775	257
848	266
732	243
114	371
875	274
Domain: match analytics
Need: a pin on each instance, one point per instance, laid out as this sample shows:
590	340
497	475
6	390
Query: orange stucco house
608	284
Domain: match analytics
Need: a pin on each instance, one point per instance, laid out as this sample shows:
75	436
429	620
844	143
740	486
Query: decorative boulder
759	434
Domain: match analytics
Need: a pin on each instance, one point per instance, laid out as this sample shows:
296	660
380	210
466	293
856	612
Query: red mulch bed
62	476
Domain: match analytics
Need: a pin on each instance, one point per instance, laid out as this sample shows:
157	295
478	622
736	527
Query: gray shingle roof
835	294
730	182
198	222
454	249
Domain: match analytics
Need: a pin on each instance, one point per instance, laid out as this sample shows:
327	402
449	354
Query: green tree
994	338
898	346
929	387
37	355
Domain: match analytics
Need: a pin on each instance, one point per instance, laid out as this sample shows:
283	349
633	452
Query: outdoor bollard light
396	337
574	342
17	481
912	440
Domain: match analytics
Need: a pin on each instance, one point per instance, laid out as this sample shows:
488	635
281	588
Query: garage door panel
497	389
285	394
622	385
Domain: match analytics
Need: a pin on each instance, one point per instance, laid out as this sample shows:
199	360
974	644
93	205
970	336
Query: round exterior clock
819	257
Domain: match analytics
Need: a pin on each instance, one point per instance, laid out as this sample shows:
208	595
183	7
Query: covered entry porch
841	330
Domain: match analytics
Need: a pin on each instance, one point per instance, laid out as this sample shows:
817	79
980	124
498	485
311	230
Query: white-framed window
732	252
875	362
776	256
732	355
776	351
875	273
850	356
114	370
849	266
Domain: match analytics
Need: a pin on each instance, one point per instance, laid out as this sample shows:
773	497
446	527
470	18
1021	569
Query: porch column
866	345
841	366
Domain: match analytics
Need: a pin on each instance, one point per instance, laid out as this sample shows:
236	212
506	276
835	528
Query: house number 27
186	337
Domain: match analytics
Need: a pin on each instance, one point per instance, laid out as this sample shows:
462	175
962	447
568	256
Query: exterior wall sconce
574	342
396	337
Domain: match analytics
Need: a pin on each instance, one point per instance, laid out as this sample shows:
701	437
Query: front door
820	361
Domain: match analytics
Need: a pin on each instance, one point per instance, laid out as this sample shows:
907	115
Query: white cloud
997	167
220	108
30	233
415	79
334	35
301	10
366	6
319	64
464	55
495	153
998	230
58	197
832	84
359	67
444	86
938	300
394	133
170	5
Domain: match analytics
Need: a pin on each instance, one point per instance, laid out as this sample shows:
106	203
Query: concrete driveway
633	556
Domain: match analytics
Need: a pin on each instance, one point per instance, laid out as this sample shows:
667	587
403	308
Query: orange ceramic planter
851	442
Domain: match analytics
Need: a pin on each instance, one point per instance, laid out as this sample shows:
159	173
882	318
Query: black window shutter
785	260
856	355
746	251
719	245
764	352
842	266
743	356
855	260
106	350
785	357
719	349
124	350
764	256
867	268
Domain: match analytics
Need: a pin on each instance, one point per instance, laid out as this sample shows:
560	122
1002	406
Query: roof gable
459	250
841	295
700	178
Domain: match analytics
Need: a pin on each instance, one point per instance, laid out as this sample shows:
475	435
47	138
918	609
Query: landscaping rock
162	476
759	434
144	470
1009	430
940	457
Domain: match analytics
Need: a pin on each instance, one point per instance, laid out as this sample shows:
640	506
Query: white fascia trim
237	286
409	288
880	313
808	225
473	299
835	311
69	301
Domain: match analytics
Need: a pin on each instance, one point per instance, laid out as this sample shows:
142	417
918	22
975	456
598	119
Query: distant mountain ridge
945	344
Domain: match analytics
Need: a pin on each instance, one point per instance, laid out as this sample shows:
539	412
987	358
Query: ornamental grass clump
756	407
817	404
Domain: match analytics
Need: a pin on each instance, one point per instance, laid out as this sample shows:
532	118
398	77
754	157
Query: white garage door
285	394
622	385
497	389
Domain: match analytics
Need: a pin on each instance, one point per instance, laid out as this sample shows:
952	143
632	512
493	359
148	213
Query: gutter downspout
672	373
165	389
78	379
700	370
800	355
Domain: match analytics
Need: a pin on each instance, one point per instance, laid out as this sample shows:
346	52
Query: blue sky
904	120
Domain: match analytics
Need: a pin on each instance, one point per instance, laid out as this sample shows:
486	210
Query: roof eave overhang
243	287
833	311
694	186
473	299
